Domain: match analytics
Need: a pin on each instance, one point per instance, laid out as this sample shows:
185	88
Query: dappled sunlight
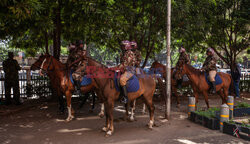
26	126
73	130
27	137
185	141
89	118
138	141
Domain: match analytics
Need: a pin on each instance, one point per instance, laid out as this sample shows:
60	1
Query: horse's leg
83	100
106	128
70	110
131	118
225	91
177	97
196	95
222	96
61	103
101	114
206	98
111	118
149	103
143	108
93	102
127	111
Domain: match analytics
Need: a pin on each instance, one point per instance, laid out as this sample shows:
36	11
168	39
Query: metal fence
32	86
245	83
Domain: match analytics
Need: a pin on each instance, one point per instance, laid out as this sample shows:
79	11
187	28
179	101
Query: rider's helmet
79	44
210	50
126	45
133	45
182	49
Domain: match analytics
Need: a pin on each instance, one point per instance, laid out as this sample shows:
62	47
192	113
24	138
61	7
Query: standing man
209	67
11	68
236	73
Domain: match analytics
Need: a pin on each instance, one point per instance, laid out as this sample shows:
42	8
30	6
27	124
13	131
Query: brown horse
147	89
156	66
199	83
59	76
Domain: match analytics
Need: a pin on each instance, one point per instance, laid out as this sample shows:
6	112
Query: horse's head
157	68
44	64
37	64
180	70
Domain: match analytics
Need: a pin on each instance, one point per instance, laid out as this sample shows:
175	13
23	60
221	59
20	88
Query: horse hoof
150	124
108	134
104	129
101	115
131	119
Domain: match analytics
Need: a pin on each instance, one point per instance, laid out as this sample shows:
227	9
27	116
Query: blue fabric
217	78
85	80
132	84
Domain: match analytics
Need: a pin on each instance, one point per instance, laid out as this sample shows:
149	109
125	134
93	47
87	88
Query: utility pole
168	67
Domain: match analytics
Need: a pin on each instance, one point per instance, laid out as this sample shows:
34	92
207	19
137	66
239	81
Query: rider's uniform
210	67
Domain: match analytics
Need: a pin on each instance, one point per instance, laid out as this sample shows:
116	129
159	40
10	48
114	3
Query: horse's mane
193	70
99	63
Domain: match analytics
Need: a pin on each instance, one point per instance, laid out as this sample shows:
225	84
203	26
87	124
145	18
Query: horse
110	94
199	84
59	76
156	66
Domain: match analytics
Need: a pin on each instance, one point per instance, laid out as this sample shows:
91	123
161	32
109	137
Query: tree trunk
46	42
168	67
57	32
147	55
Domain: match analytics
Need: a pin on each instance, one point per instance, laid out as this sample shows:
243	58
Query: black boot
179	83
125	95
213	88
78	87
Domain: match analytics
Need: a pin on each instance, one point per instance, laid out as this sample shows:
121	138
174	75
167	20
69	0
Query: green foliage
210	113
242	105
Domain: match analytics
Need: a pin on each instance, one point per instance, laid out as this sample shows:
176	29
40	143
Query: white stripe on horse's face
41	67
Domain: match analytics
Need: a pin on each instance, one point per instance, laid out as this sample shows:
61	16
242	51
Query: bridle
41	67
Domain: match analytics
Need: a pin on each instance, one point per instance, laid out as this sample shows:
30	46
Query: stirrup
124	100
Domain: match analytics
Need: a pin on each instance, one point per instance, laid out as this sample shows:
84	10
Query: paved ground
40	123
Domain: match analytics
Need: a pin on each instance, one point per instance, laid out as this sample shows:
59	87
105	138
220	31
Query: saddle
85	80
217	78
132	84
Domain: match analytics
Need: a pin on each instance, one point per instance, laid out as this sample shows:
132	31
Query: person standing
209	67
11	68
236	73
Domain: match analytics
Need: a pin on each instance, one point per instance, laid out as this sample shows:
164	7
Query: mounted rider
183	59
127	66
209	67
75	61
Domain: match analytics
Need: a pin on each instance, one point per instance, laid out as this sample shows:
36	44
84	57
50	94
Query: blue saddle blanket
217	78
132	84
85	80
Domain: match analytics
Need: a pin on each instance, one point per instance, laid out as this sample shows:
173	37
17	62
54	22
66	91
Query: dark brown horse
199	83
156	66
147	89
59	76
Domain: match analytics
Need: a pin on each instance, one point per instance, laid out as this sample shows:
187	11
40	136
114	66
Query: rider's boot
124	99
179	83
213	88
78	87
